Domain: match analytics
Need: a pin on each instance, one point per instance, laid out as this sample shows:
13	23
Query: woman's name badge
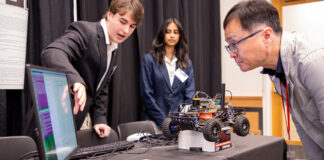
181	75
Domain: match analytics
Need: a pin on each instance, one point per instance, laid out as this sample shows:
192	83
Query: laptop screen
56	130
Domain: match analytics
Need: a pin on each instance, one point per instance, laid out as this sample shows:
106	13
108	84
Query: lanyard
288	113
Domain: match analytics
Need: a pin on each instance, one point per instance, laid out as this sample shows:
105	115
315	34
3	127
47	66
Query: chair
17	147
126	129
89	137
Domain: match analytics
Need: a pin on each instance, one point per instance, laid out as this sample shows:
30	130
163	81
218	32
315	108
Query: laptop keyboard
102	149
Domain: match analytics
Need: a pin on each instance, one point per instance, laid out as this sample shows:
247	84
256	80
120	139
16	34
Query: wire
159	140
114	153
29	155
201	92
230	93
147	148
207	96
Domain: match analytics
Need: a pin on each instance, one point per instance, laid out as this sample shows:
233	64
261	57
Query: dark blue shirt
279	73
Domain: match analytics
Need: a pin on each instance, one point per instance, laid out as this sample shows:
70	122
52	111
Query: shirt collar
113	45
173	61
279	72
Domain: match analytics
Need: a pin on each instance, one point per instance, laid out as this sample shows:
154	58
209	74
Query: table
249	147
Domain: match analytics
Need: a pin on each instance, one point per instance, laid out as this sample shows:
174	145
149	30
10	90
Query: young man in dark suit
86	53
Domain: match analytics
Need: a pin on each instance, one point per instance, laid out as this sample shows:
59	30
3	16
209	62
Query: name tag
181	75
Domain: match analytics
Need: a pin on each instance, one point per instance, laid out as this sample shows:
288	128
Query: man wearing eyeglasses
255	39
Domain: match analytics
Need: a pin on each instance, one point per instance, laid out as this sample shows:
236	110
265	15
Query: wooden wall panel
253	110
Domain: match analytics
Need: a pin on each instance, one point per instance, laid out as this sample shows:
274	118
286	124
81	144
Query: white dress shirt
110	48
171	67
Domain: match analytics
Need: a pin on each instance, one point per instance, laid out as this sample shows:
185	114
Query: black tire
212	130
169	130
241	126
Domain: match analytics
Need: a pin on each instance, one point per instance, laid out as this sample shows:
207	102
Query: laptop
56	136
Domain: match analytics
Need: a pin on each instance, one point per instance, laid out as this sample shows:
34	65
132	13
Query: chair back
88	137
126	129
17	147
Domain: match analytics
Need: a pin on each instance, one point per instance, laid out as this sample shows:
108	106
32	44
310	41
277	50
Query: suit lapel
176	83
112	64
165	75
102	47
176	80
111	70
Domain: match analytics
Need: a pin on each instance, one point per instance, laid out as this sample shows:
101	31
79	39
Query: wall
238	82
246	84
305	19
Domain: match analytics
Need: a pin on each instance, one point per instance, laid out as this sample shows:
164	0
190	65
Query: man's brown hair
122	6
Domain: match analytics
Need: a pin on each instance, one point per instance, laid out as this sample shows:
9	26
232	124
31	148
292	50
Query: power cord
150	141
147	148
114	153
159	140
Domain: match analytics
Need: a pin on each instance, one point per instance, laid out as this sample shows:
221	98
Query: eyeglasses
232	48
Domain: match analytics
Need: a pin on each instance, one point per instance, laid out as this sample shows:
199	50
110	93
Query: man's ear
268	36
109	15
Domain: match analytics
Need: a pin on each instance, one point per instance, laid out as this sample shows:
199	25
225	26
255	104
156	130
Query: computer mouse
137	136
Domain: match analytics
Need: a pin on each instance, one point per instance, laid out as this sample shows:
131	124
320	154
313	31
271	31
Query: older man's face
250	52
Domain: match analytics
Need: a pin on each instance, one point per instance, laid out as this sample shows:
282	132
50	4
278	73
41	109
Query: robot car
206	115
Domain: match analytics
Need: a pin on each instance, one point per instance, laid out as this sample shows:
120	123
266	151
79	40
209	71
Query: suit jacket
157	95
303	66
82	53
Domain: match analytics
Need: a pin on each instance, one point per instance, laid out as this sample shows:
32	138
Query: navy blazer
157	95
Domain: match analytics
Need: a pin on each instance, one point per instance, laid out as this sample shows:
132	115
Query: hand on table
102	130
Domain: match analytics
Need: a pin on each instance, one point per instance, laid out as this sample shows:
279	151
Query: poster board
13	40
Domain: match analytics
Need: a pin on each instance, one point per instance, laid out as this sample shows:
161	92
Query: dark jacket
156	92
82	53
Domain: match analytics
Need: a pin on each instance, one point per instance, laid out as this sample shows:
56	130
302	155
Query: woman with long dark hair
167	77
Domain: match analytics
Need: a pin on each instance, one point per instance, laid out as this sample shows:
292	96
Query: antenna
223	97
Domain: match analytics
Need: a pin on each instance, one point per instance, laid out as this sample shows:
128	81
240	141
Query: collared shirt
110	48
279	72
171	67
